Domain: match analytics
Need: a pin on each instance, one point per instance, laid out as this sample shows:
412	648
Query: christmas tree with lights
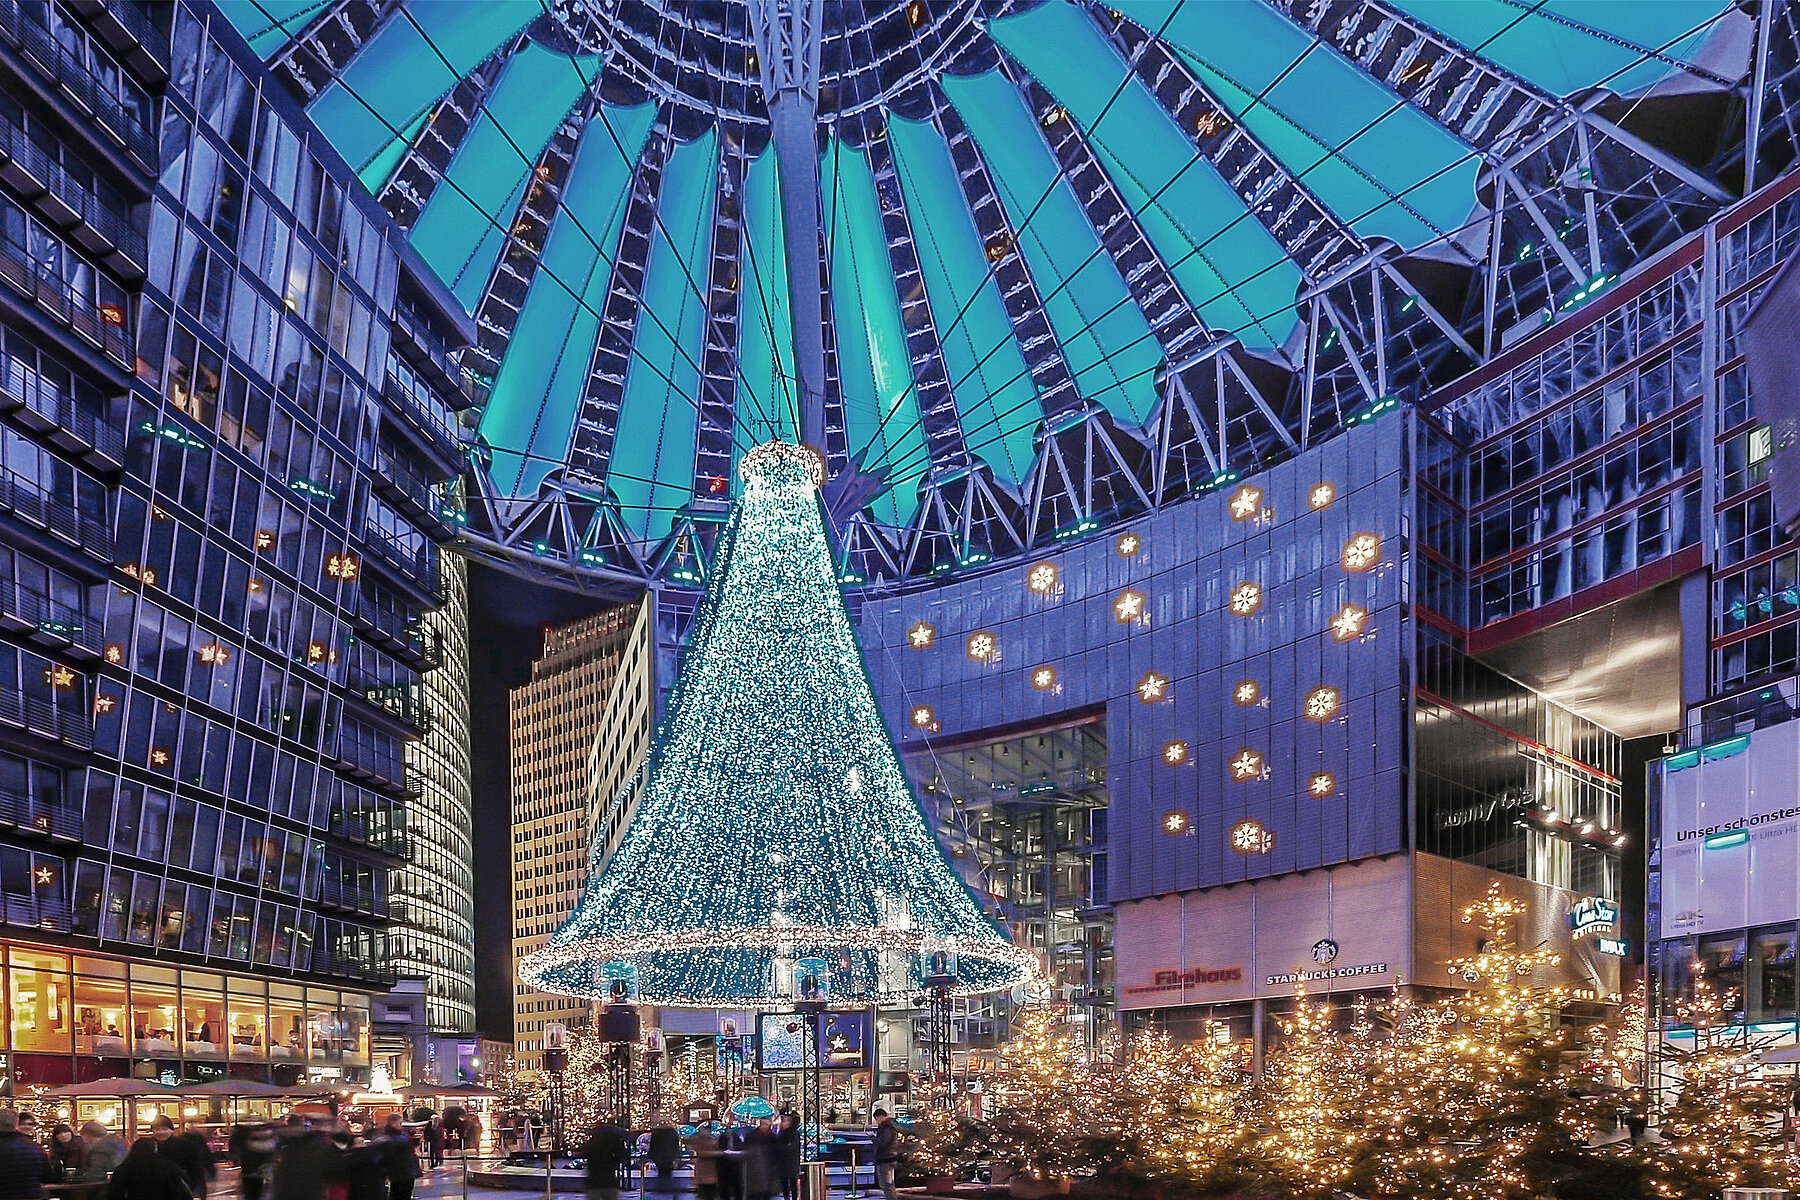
778	851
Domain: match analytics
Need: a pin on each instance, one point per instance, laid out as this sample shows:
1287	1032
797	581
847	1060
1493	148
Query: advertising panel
844	1041
1729	828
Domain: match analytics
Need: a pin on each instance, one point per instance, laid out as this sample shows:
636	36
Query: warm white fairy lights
751	848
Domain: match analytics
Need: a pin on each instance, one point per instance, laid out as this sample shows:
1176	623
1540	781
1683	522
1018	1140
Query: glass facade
218	527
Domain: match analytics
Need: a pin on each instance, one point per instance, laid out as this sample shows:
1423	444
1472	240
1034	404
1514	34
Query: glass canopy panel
268	24
1569	45
464	225
1384	167
767	396
531	410
651	470
1103	335
1232	271
420	54
881	402
996	397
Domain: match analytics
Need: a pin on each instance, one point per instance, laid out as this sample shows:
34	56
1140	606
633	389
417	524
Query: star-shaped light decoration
1246	692
1246	598
1349	623
1246	502
1129	544
1043	678
114	653
1361	553
265	539
1322	496
104	703
1323	784
1041	579
214	654
343	566
1128	606
1321	704
58	676
1175	753
1175	822
924	717
982	646
921	635
1154	686
160	756
43	875
1250	836
1246	765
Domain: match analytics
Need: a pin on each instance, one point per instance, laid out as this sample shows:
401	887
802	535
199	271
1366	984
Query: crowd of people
293	1161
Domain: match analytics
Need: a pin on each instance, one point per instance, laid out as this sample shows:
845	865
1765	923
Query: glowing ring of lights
1017	964
757	461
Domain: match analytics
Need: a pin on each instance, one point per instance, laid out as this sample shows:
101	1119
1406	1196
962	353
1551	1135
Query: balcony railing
37	507
430	419
30	814
129	29
25	274
72	75
45	719
45	410
397	479
365	900
47	619
422	346
107	229
419	566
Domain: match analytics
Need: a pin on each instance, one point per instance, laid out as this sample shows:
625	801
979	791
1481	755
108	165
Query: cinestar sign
1592	915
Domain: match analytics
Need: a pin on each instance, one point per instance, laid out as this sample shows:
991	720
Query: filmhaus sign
1178	979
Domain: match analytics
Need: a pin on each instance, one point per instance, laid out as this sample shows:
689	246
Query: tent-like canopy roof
1038	216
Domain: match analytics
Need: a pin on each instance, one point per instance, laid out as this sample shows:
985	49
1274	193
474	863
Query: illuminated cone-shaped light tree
778	838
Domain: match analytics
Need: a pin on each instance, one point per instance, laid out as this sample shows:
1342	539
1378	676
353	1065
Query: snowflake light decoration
1246	502
1349	623
1322	784
1321	704
1246	598
1250	836
1154	686
1246	765
1129	544
1128	606
1175	753
982	646
1041	578
1361	553
1322	495
923	716
1043	678
1246	692
1175	822
921	635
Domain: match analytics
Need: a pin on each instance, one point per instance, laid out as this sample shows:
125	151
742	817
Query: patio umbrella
113	1088
253	1089
473	1091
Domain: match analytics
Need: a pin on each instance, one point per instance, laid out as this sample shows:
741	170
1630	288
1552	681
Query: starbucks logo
1324	950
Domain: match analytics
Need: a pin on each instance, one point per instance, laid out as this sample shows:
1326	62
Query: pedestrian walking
607	1155
305	1164
731	1163
364	1175
252	1149
103	1152
887	1153
761	1167
187	1151
398	1161
703	1153
434	1139
146	1173
788	1153
24	1167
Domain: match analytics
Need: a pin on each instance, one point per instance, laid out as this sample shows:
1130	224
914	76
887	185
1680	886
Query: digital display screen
843	1041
